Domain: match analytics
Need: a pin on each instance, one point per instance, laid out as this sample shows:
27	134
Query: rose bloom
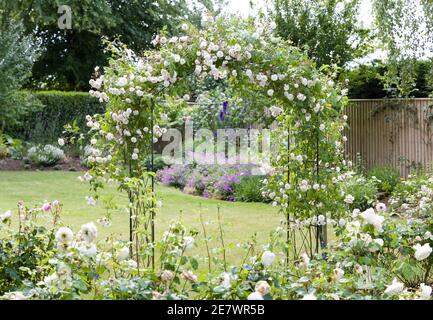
263	288
422	252
255	296
64	235
268	258
167	276
46	206
395	287
123	253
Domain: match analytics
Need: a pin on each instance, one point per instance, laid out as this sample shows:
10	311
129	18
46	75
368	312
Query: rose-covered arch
246	54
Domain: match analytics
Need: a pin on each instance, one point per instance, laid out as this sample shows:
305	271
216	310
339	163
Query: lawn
241	220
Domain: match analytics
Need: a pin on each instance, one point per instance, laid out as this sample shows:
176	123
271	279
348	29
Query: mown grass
240	220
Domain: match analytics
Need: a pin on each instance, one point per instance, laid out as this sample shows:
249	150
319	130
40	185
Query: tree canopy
69	56
327	29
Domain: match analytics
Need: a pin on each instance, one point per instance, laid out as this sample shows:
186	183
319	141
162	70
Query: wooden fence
391	132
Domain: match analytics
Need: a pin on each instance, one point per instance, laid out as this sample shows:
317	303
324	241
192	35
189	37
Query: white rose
255	296
395	287
305	260
64	235
425	291
379	241
349	199
226	280
422	252
370	217
309	296
123	253
268	258
263	288
339	273
61	142
188	242
89	232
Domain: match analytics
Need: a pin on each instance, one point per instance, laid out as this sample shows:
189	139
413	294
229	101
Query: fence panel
392	132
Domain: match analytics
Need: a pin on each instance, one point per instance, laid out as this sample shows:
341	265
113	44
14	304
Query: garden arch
304	101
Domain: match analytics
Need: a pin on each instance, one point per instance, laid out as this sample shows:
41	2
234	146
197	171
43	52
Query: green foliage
405	192
368	81
364	191
158	162
16	58
365	82
45	123
249	189
406	33
388	178
4	151
327	29
25	252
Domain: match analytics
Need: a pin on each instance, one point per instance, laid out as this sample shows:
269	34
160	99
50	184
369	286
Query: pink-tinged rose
46	206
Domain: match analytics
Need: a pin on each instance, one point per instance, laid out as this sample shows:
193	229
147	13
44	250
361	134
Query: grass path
241	220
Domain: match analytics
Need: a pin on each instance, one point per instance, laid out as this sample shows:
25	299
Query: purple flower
225	105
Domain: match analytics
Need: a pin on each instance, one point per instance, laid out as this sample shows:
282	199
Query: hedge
45	122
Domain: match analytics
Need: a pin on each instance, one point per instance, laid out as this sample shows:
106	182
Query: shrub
414	192
45	123
158	162
210	181
364	192
24	252
4	151
47	155
388	178
175	176
17	54
249	189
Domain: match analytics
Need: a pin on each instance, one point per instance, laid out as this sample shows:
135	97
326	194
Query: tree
17	54
327	29
69	56
405	28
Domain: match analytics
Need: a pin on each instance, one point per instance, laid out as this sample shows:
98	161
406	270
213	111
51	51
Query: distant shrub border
45	123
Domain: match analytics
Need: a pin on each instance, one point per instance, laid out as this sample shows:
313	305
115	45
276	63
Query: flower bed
209	181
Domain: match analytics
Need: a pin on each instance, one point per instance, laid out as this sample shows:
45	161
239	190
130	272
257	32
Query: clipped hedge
45	123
